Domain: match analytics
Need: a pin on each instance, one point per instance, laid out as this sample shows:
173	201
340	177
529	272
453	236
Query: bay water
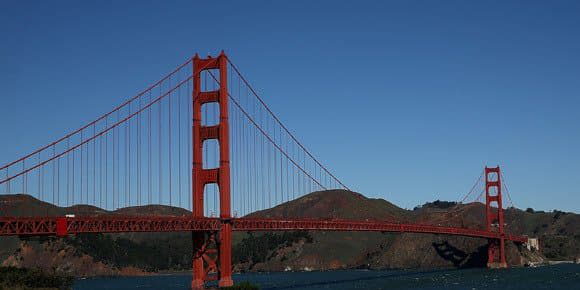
563	276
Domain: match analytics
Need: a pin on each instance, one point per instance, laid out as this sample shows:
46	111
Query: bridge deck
33	226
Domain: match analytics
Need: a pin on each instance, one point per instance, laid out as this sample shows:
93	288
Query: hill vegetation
17	278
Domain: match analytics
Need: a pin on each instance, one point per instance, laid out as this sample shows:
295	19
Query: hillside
139	253
337	204
26	205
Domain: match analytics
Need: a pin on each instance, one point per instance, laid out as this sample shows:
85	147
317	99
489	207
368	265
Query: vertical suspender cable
101	171
254	163
262	166
82	170
129	152
126	164
87	173
238	158
67	172
115	165
190	144
294	170
247	169
118	163
24	177
287	170
106	164
41	180
281	171
275	177
58	181
149	173
94	166
179	145
53	174
160	148
239	162
169	140
281	168
138	158
268	190
73	178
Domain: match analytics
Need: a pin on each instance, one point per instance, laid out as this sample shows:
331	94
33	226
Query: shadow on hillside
459	258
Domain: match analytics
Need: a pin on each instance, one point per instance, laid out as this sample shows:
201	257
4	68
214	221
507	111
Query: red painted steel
29	226
204	264
49	226
495	218
245	224
61	227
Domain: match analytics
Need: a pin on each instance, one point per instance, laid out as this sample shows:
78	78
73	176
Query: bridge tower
212	251
494	218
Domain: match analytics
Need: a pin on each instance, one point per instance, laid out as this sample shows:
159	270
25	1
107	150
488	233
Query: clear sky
404	100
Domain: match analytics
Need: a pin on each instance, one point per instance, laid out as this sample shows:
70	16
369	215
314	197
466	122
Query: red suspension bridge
200	138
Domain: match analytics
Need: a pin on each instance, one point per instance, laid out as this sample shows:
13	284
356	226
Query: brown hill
26	205
159	210
337	203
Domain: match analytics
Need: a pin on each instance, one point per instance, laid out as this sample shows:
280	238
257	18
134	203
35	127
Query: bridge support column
212	251
494	218
496	251
198	241
226	256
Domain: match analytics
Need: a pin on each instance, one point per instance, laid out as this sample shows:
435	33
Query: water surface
553	277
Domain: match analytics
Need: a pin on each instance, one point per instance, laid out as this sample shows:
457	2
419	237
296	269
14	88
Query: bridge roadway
61	226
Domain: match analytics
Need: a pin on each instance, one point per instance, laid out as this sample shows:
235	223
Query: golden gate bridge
201	138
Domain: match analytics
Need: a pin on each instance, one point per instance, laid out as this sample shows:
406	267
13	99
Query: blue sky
404	100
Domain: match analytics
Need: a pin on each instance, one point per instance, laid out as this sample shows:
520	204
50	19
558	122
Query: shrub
11	277
255	248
